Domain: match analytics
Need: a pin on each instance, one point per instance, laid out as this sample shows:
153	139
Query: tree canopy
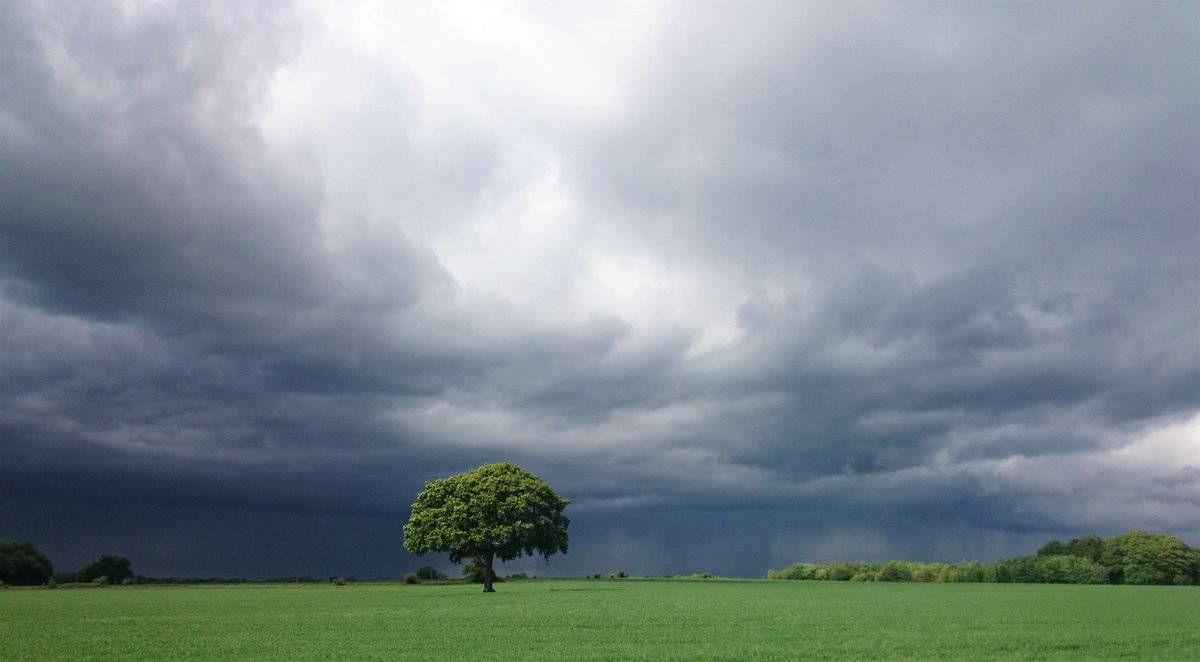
115	569
497	510
21	564
1139	557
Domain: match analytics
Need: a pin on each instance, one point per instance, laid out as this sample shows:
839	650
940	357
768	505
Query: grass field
603	619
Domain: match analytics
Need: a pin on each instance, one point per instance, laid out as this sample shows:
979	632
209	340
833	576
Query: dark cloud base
224	541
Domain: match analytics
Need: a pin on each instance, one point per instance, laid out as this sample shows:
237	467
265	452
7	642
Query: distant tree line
21	564
1135	557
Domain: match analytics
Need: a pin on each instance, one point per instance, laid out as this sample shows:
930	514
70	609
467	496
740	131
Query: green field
604	619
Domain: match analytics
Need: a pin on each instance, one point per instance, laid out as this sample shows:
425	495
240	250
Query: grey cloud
957	238
989	173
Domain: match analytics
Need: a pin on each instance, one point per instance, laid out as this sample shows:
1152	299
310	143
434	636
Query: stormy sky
749	283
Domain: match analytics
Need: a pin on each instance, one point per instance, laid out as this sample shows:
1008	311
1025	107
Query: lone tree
495	511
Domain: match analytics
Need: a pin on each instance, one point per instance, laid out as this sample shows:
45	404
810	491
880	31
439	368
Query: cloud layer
749	284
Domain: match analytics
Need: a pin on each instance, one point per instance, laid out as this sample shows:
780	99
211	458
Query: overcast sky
749	283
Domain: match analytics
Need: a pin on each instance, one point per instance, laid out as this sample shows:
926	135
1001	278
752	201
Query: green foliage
898	571
495	511
795	571
429	573
1066	569
410	578
475	572
1138	557
1019	569
1089	547
972	571
21	564
113	569
1052	548
1135	557
924	572
840	571
1059	569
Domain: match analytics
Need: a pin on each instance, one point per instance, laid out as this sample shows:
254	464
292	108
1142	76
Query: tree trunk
488	574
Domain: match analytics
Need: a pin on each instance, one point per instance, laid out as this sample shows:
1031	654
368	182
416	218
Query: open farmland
603	619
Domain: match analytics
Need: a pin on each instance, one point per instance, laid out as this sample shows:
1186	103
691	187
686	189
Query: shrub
704	575
969	572
411	578
1022	569
943	572
924	573
430	573
619	574
794	571
893	571
840	571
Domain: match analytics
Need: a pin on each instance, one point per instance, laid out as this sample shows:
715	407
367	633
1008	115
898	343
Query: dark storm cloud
952	252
